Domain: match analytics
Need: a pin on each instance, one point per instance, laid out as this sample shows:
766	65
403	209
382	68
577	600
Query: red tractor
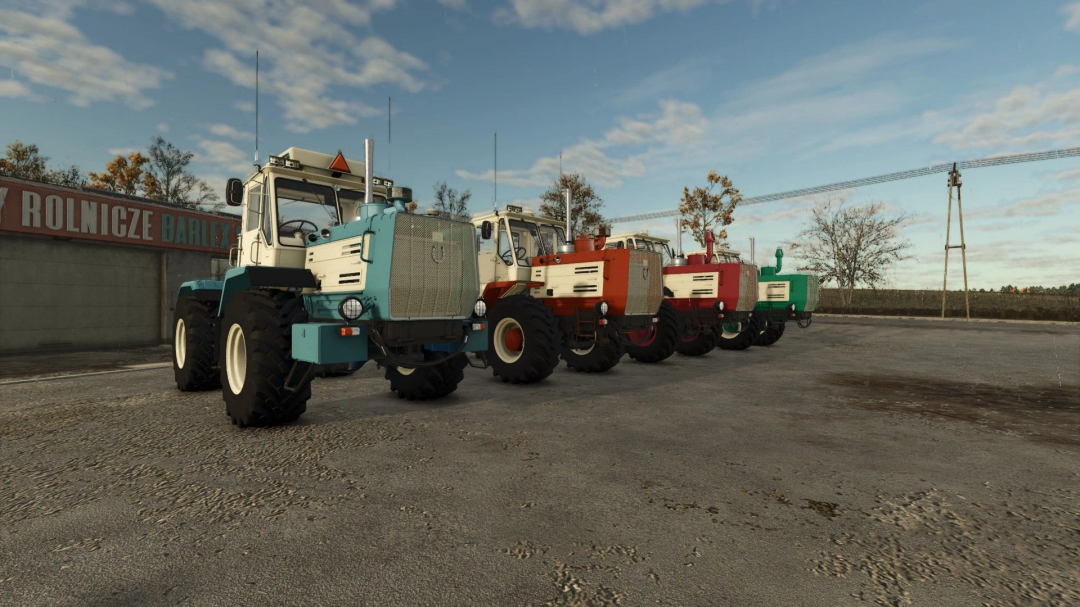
714	301
549	298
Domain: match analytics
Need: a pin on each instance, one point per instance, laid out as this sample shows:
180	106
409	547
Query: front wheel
195	365
663	339
524	346
772	334
256	357
428	382
699	345
739	335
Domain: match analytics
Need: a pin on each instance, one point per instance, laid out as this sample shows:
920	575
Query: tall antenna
560	165
257	109
389	157
495	202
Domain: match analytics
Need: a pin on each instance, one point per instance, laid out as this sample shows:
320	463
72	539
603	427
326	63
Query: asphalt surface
856	462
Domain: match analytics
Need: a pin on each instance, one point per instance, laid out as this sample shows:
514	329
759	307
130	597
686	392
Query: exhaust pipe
569	246
680	259
369	171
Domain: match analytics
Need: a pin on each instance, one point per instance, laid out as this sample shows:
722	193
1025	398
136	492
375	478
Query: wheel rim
236	358
728	334
643	337
585	351
509	340
180	343
404	371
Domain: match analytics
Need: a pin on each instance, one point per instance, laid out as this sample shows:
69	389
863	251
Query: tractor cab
294	199
517	237
642	241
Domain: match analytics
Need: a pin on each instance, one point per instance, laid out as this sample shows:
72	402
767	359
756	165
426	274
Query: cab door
256	229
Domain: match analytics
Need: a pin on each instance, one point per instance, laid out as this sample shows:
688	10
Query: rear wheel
663	339
429	382
195	365
256	357
597	358
699	345
524	346
739	335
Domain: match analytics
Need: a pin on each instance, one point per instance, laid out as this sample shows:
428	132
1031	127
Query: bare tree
449	202
167	167
71	177
584	204
851	245
701	209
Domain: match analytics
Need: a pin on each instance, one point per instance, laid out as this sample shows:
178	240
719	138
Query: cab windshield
303	208
350	203
552	237
524	243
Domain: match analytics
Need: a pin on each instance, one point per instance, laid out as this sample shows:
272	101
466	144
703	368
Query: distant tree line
161	173
1070	289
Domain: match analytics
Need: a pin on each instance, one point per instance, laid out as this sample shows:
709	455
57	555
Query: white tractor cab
552	296
331	270
298	195
713	296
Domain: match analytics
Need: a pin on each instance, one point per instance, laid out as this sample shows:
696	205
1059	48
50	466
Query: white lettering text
71	227
146	224
54	212
89	217
132	229
31	209
119	216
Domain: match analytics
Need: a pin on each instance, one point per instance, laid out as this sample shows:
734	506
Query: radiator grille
748	287
644	286
433	268
812	293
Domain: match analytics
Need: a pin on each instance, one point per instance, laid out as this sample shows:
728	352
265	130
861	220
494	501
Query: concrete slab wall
180	267
62	294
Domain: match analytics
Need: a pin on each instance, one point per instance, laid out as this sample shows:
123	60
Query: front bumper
335	342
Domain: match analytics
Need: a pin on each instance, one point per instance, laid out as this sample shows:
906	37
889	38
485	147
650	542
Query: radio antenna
257	167
495	202
389	157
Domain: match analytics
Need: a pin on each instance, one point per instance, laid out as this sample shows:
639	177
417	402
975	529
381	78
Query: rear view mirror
234	192
485	230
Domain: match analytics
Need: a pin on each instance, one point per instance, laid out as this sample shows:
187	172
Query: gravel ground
856	462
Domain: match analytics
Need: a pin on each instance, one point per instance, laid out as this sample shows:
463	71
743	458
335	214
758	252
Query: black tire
597	359
431	382
700	345
195	364
264	320
538	354
743	338
772	334
664	340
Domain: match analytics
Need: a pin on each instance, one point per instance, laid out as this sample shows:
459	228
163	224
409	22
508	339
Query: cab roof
641	235
515	212
325	166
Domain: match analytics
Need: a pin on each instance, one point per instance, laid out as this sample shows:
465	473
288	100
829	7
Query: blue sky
642	96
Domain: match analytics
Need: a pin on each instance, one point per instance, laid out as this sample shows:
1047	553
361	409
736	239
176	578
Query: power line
844	185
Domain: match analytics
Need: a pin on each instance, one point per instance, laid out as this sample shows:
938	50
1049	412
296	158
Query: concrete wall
900	302
180	267
63	294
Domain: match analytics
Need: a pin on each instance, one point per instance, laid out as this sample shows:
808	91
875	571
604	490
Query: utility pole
954	182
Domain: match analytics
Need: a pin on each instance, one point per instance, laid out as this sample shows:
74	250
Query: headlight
602	308
350	308
720	305
480	307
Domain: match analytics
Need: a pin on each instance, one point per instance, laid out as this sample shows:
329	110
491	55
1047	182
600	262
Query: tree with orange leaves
701	209
126	176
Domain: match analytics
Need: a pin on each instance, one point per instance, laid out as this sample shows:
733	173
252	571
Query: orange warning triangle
339	165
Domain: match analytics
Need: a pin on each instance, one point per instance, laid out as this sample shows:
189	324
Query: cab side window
254	203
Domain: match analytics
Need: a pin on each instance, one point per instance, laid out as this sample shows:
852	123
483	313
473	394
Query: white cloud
1072	16
591	16
244	106
163	127
42	45
224	130
1066	70
687	76
123	151
306	51
678	124
15	89
1027	117
224	156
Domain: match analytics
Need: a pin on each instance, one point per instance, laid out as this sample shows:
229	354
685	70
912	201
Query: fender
256	277
505	288
201	290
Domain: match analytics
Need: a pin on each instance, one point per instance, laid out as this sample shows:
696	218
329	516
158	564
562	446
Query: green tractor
780	298
331	270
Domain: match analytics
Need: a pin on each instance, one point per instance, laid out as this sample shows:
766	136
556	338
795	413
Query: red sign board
33	208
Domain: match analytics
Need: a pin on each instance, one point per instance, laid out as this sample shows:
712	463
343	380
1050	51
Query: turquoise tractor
331	270
783	297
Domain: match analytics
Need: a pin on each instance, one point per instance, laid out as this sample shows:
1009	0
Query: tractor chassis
586	326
